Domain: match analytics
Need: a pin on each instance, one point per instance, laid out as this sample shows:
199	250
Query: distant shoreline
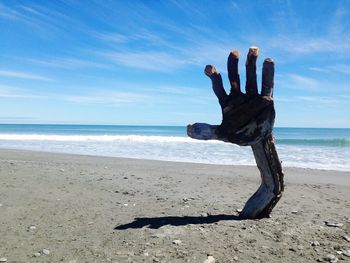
77	155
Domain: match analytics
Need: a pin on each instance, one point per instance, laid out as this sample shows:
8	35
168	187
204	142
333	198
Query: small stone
46	251
315	243
235	258
339	252
62	170
347	238
210	259
3	260
90	223
146	254
125	204
292	249
346	253
239	210
177	242
294	212
37	254
32	227
333	224
331	258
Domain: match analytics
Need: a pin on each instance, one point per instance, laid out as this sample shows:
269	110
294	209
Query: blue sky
141	62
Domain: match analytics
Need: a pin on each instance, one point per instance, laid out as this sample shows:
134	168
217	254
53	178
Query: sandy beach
74	208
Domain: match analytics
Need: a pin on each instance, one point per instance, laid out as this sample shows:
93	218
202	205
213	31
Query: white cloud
14	92
23	75
337	68
296	81
154	61
66	63
108	97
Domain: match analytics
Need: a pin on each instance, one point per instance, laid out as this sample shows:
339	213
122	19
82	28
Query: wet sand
101	209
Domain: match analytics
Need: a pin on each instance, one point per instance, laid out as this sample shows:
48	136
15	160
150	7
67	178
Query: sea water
297	147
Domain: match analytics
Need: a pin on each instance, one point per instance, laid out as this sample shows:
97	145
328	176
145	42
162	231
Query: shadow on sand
157	222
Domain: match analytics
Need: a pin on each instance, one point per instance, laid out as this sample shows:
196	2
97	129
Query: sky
141	62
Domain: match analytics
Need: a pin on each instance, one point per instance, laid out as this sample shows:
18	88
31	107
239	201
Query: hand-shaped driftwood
248	119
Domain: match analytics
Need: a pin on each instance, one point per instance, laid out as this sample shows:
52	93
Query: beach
76	208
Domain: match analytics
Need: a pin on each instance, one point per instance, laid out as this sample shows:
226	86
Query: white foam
181	149
98	138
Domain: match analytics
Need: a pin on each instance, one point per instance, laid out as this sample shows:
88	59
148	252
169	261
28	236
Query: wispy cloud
14	92
338	68
66	63
38	17
310	45
314	100
23	75
319	100
108	97
296	81
154	61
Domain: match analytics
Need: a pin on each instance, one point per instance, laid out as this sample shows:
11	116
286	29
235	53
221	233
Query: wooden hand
248	119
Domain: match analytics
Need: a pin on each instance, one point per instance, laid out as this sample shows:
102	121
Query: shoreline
170	161
164	211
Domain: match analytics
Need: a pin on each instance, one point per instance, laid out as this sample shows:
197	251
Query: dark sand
71	205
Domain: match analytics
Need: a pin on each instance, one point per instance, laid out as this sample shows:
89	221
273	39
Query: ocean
317	148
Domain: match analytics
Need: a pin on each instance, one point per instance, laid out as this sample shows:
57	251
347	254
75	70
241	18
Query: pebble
46	251
32	227
315	243
177	242
37	254
346	253
333	224
331	258
3	260
239	210
294	212
62	170
210	259
347	238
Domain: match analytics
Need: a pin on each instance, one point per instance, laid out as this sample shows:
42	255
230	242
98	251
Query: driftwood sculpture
248	119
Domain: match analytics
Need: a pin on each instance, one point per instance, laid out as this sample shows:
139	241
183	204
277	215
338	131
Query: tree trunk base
261	203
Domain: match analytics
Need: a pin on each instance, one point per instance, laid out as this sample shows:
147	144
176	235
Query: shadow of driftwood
157	222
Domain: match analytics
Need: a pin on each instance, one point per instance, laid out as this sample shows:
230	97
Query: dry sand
70	205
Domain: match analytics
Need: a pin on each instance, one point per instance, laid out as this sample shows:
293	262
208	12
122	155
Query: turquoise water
302	147
288	136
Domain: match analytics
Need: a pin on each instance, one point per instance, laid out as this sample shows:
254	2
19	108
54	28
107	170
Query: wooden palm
248	119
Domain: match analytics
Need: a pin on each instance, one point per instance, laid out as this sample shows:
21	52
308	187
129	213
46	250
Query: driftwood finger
251	86
232	69
216	80
268	73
